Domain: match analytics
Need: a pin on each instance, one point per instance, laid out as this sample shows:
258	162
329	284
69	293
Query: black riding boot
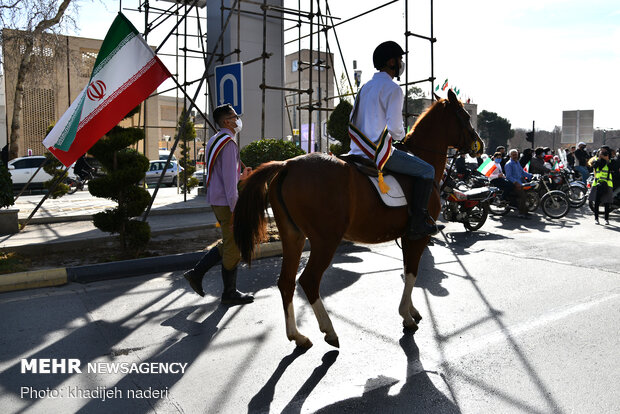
419	219
231	295
194	276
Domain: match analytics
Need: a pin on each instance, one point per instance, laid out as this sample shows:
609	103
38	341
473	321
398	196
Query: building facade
308	128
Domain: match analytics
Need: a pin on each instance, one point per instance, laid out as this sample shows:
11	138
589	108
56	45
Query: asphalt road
521	316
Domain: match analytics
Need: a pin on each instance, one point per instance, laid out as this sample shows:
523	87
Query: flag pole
50	191
174	145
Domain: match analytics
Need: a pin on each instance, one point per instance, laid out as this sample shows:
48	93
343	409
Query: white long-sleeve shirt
380	103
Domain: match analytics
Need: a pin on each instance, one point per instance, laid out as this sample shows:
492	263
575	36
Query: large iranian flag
125	73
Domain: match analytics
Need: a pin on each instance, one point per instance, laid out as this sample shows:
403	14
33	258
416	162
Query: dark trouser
597	205
521	197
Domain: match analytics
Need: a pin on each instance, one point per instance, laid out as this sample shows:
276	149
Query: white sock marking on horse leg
325	323
404	309
291	328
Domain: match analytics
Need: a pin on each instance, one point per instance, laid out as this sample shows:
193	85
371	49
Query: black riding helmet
384	52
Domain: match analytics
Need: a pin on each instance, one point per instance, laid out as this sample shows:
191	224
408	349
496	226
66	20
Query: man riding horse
377	120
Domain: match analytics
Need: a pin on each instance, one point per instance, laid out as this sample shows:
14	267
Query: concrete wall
251	46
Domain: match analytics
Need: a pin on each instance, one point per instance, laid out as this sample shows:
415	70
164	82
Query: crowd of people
513	169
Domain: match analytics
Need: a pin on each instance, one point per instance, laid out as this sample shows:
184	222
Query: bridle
463	118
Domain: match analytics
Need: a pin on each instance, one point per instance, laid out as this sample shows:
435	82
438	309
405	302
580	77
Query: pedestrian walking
602	185
223	174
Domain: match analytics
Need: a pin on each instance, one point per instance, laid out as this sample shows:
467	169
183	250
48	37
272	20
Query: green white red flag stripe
487	167
126	71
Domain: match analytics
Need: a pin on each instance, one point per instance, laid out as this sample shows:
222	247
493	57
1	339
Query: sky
525	60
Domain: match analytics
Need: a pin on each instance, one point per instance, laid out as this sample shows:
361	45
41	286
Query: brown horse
324	199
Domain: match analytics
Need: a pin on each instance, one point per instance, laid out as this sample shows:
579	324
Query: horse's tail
249	222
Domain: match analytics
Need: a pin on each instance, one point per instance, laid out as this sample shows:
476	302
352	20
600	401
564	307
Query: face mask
401	70
239	126
498	160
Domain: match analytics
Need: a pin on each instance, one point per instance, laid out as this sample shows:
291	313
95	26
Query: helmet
384	52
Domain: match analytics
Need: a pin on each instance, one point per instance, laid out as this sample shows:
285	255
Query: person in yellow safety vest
602	186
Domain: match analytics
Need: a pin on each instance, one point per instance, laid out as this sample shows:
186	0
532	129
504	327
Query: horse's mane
428	113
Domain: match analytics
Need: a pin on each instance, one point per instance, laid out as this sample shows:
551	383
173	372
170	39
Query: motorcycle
554	203
465	205
564	181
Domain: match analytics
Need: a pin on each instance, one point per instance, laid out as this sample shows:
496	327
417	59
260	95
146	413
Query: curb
117	270
89	217
33	279
60	246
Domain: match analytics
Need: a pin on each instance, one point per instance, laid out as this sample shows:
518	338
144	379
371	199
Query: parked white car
22	168
157	168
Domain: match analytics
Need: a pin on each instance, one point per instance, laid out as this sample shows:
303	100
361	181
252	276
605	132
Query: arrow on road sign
229	85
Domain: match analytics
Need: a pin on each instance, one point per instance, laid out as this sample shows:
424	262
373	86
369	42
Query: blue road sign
229	85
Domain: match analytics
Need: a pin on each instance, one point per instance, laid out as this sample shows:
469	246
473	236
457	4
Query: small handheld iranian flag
125	73
487	167
527	167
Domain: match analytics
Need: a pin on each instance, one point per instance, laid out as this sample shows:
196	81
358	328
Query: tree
33	18
187	133
494	130
338	127
6	187
124	168
414	103
55	168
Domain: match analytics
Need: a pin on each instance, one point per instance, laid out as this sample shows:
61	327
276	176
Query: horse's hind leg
321	255
292	245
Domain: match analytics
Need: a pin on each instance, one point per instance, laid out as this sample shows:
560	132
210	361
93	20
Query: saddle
393	198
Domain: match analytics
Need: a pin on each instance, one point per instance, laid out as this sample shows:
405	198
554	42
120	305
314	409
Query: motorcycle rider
82	169
515	174
581	161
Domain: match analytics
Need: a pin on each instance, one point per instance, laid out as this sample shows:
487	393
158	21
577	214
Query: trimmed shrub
265	150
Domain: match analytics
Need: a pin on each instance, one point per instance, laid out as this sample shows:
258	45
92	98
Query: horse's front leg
410	314
412	252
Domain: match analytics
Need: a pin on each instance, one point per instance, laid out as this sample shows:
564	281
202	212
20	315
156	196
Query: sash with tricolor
214	151
379	152
487	167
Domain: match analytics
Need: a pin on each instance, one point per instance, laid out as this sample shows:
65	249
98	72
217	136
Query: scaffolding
188	19
313	22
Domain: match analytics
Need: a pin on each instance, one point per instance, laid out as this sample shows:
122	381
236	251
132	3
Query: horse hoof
332	341
304	343
410	328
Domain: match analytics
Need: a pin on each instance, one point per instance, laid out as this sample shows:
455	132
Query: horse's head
449	119
469	141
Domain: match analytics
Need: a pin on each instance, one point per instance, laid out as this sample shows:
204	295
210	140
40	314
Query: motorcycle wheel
499	207
577	196
532	200
476	216
73	186
555	204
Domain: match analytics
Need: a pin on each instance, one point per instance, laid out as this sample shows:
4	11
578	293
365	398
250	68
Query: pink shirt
222	190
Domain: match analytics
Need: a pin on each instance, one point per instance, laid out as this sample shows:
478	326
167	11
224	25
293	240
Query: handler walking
222	177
